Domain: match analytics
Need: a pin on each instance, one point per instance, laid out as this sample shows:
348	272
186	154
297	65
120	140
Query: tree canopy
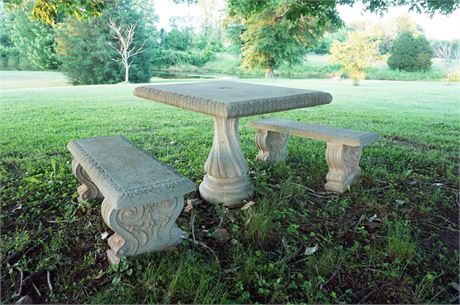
410	53
279	31
355	54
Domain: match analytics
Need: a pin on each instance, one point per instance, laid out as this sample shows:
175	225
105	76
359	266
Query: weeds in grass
400	241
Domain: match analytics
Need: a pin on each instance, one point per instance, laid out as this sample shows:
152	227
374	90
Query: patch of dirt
12	168
410	143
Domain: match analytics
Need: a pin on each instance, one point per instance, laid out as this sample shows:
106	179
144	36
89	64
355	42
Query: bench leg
343	162
147	228
87	189
271	145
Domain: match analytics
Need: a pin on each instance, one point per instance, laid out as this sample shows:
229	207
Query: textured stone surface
142	196
316	132
125	175
145	228
226	170
272	145
232	99
343	150
343	163
226	178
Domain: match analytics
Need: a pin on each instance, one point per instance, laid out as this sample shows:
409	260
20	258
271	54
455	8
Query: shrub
25	39
88	59
355	54
409	53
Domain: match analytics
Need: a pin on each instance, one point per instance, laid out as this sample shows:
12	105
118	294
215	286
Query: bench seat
343	150
142	197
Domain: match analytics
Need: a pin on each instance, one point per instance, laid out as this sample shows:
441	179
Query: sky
438	27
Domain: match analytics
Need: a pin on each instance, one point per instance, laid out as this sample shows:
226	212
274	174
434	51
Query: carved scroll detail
142	228
87	190
343	162
272	145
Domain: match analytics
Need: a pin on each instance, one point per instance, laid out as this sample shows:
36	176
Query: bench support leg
226	179
343	162
146	228
271	145
87	190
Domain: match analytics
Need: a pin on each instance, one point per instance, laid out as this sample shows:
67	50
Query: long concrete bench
343	150
142	196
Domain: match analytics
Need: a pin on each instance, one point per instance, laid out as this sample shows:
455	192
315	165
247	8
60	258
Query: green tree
8	53
410	53
84	46
178	40
31	39
278	30
49	11
355	54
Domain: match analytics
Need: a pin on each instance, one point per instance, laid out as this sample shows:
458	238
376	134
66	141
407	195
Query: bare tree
124	35
447	51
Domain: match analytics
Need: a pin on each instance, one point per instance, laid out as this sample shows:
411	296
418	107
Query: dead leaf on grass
372	218
311	250
247	205
99	275
189	207
104	235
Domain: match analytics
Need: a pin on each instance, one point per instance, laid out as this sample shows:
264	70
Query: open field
313	67
407	253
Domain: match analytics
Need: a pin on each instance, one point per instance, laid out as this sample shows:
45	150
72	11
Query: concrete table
226	179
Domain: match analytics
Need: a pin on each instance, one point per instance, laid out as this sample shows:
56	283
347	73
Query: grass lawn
393	238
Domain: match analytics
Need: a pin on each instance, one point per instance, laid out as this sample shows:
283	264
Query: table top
229	99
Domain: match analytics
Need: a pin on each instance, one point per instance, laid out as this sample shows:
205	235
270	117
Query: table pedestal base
230	191
226	170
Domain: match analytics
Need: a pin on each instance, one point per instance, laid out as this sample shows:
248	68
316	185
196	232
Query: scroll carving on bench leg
141	229
271	145
87	190
343	162
226	169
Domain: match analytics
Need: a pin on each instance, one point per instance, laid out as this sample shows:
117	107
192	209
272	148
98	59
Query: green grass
26	79
408	254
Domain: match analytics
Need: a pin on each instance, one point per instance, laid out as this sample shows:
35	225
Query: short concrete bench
142	196
343	150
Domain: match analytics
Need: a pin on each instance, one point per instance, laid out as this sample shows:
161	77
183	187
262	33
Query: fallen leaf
104	235
19	207
247	205
437	184
372	218
189	206
311	250
399	201
99	275
25	300
455	286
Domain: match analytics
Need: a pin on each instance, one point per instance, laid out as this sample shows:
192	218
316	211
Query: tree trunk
126	74
269	73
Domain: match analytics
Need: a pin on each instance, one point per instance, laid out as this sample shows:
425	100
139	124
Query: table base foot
229	191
